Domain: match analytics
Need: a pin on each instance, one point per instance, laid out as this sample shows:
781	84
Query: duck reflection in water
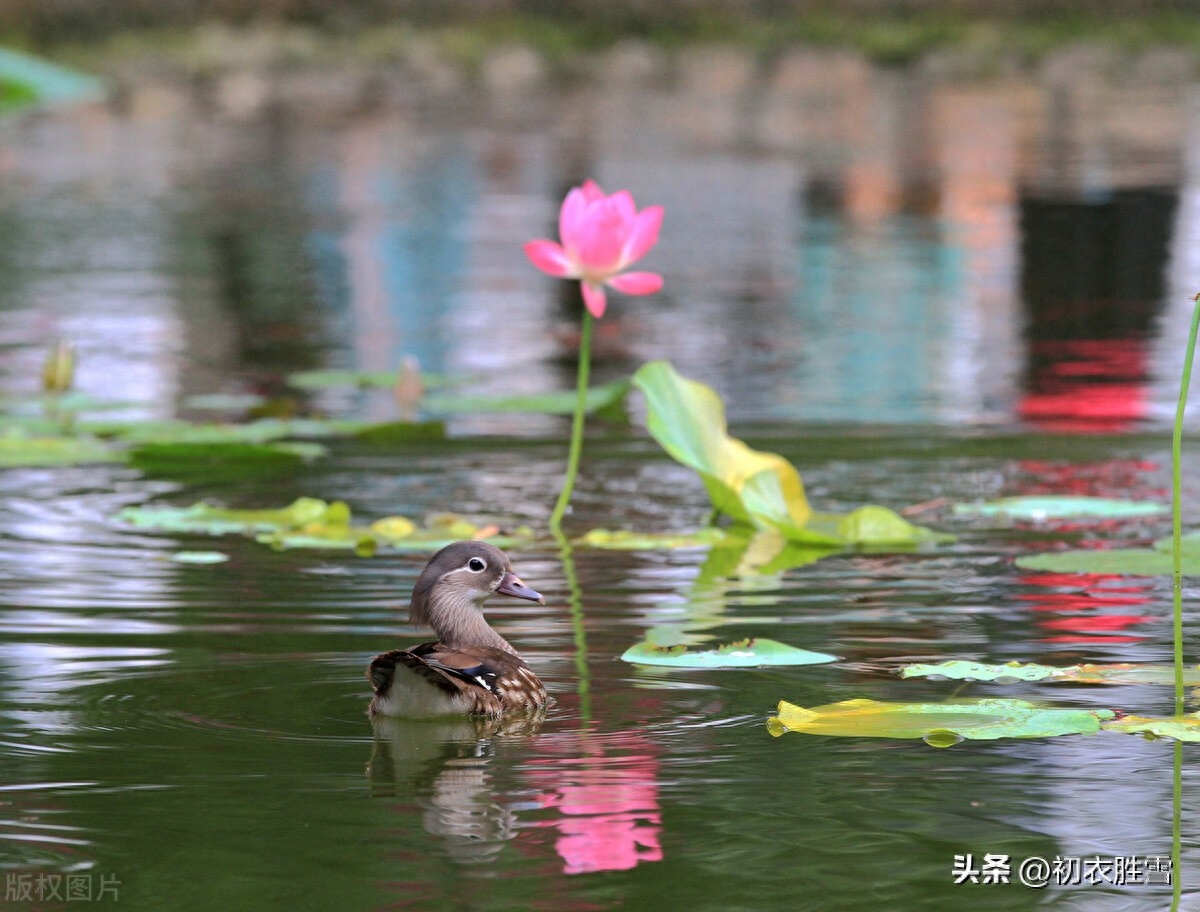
444	766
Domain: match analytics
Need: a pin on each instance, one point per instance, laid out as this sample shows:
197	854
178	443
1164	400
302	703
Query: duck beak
512	585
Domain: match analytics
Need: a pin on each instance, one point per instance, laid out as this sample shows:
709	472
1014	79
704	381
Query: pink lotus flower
601	236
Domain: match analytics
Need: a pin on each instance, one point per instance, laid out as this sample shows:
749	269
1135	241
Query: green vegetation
568	37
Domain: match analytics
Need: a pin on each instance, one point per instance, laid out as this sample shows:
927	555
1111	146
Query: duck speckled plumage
470	669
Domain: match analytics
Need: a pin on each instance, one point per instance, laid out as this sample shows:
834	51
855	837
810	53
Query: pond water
917	287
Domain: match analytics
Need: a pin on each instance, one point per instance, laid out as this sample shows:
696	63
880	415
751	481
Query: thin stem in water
576	448
1177	504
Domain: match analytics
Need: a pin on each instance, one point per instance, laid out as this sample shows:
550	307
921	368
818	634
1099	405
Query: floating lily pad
758	489
981	671
19	450
207	519
265	430
1115	562
1065	507
199	557
1153	561
938	724
621	540
1177	728
313	523
742	654
1123	673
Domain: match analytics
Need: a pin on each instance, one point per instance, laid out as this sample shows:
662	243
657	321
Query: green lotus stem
1177	592
1177	831
1177	505
585	358
578	631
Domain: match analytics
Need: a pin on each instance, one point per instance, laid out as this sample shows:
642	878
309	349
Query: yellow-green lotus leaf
1177	728
687	419
938	723
756	489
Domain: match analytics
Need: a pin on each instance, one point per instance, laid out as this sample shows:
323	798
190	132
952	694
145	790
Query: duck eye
476	565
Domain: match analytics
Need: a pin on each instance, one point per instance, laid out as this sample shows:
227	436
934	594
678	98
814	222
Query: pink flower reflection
611	818
601	236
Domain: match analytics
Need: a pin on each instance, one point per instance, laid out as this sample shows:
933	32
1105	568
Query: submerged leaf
742	654
1064	507
940	724
757	489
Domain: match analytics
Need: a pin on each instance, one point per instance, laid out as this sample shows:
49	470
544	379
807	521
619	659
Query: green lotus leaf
312	523
366	541
748	653
981	671
265	430
939	724
1177	728
688	421
761	490
1128	673
18	450
1116	562
207	519
622	540
29	80
1122	673
1064	507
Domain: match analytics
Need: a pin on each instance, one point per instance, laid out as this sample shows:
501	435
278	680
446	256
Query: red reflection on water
1085	604
1086	385
610	816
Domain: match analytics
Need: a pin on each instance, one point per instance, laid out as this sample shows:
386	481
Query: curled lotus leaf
1039	508
756	489
939	724
748	653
